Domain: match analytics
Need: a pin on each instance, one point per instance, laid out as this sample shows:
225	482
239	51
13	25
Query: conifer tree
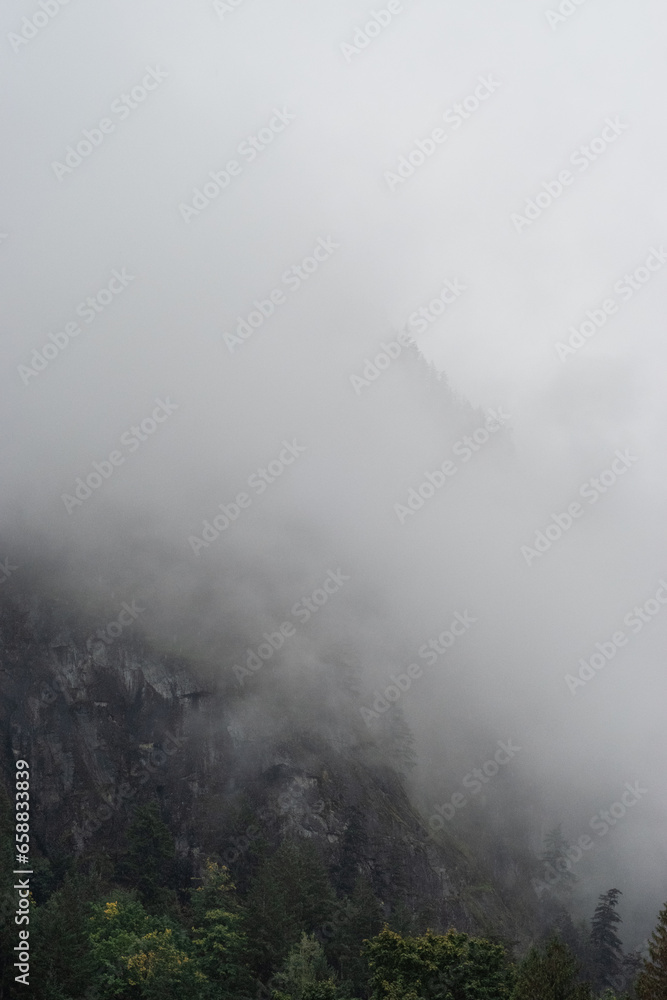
305	974
451	966
148	863
62	962
574	937
606	947
289	894
558	867
359	919
140	955
652	980
219	942
550	975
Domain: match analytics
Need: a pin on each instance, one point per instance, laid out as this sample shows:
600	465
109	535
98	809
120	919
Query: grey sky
323	178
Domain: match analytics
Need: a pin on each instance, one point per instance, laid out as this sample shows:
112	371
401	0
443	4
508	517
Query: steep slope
107	726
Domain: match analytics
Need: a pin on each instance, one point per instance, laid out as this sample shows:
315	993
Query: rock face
106	725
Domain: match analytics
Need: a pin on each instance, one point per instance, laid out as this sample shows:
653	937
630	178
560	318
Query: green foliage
290	893
606	948
550	974
140	955
652	980
218	938
358	918
305	974
576	938
162	970
60	936
148	863
290	937
451	966
115	927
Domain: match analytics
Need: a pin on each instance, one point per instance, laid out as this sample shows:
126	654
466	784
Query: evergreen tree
632	965
575	938
555	859
289	894
359	919
148	863
606	948
436	966
217	935
163	970
550	975
140	955
305	974
652	980
62	961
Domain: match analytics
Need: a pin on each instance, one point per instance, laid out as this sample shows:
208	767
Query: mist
400	198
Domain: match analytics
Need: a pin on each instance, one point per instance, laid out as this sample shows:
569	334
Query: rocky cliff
108	721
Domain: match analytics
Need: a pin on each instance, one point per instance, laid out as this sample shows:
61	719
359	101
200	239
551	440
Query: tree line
139	925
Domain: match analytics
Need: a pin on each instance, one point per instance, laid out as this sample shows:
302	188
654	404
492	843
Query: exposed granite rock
107	726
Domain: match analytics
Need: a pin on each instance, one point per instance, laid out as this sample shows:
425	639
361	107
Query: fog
353	237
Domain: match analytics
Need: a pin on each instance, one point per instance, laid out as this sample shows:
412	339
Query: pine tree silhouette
605	943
